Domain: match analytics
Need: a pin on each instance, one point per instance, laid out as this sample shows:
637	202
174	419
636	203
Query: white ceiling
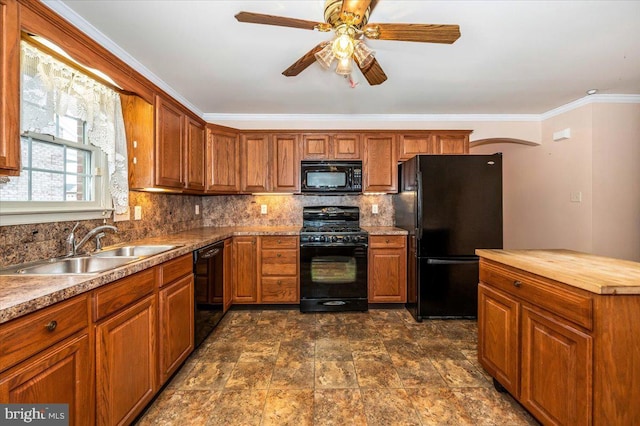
514	57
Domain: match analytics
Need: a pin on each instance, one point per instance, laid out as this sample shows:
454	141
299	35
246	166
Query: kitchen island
559	331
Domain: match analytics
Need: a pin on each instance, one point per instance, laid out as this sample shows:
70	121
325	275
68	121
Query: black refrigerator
450	205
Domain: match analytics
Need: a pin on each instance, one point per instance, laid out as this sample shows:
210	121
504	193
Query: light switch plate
576	197
137	213
374	209
263	209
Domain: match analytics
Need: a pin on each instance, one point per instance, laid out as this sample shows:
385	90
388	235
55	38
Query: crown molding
211	117
82	24
591	99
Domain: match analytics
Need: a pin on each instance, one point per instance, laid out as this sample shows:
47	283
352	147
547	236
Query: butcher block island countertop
596	274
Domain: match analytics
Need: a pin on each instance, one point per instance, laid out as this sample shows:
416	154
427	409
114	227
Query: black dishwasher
208	264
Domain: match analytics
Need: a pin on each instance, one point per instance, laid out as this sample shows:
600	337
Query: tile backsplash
169	213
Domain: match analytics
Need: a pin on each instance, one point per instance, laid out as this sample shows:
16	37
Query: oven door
333	276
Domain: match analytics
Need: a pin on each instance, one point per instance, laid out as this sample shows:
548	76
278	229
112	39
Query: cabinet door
346	146
60	375
452	143
412	145
126	363
387	275
195	161
556	369
498	328
227	287
286	163
169	145
176	318
380	165
10	88
255	163
245	261
223	169
315	147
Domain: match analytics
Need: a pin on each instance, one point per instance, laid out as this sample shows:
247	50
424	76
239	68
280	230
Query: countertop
23	294
596	274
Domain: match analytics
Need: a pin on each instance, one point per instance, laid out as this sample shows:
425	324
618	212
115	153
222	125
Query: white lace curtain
50	87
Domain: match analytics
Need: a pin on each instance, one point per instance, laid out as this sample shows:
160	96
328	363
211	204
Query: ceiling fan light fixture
325	56
362	54
345	66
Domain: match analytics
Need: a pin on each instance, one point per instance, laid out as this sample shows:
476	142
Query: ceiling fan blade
259	18
353	11
302	63
426	33
373	73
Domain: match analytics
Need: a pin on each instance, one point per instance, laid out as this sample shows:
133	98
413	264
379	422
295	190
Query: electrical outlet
576	197
374	209
137	213
263	209
197	209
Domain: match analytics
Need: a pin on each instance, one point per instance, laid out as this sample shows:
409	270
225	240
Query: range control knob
346	238
334	239
321	238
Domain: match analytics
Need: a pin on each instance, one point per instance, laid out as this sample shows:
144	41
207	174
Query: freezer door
448	287
460	204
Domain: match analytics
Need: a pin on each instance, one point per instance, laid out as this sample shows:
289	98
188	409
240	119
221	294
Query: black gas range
333	260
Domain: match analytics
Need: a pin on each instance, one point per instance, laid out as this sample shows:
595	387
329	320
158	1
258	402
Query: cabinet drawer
276	242
26	336
387	241
115	296
551	295
176	268
280	290
279	262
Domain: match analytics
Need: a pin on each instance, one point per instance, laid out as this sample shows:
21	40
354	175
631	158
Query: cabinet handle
52	325
279	282
278	241
386	241
517	283
278	255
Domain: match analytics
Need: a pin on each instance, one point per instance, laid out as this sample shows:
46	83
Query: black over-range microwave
337	177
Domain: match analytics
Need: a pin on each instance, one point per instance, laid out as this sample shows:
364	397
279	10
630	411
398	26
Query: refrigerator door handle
451	261
419	205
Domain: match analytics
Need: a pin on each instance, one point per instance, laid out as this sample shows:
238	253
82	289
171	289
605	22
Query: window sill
25	218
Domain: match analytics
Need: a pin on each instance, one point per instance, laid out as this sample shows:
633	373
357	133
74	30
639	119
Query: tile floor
281	367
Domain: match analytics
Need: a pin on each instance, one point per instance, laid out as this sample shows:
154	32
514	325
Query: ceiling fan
349	20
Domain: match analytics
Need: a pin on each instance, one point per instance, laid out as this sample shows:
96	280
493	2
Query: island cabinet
10	88
333	146
165	145
175	315
433	142
245	275
387	269
379	166
569	355
126	345
47	356
279	271
223	161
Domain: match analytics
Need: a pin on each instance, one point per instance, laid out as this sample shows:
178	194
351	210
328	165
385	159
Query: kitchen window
73	146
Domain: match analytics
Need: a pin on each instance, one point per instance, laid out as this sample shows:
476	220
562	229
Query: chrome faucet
73	247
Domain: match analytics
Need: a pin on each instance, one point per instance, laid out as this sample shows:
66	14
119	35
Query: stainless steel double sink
94	263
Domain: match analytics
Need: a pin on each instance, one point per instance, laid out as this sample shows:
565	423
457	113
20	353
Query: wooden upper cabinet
285	162
195	155
254	164
319	146
169	144
433	142
10	88
223	158
380	164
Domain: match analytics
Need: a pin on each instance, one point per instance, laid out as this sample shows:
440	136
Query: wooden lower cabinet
176	321
387	274
279	269
556	369
126	363
245	276
568	356
63	374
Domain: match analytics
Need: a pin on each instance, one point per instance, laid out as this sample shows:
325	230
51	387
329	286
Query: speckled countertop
22	294
596	274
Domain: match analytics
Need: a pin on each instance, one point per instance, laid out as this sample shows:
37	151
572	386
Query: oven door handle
334	245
